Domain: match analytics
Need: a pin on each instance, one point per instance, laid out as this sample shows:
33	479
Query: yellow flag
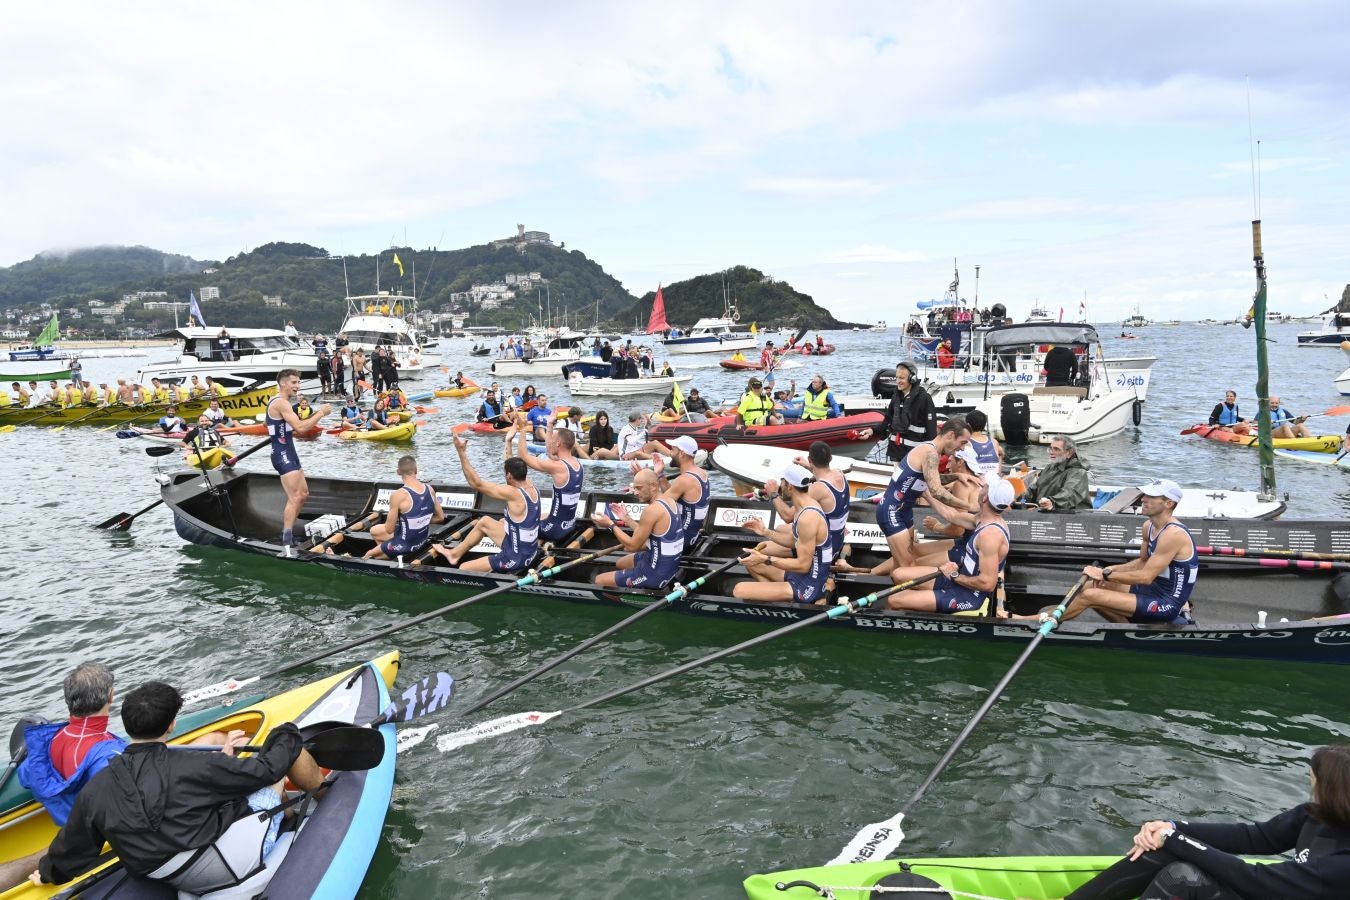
398	262
754	328
678	397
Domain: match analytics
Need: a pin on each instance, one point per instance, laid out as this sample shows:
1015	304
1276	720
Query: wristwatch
1106	574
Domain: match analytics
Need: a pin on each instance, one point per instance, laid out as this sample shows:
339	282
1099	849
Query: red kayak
741	365
813	350
846	435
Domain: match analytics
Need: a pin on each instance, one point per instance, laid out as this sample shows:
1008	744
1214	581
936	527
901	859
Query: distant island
509	283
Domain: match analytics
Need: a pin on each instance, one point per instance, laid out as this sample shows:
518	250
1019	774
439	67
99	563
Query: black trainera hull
244	515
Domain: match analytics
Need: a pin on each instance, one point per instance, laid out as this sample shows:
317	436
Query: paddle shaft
655	606
254	449
122	521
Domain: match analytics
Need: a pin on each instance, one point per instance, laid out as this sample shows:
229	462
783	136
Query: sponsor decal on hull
1203	635
1332	637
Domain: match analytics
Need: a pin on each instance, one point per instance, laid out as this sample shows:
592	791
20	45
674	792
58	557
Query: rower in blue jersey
829	488
282	424
988	453
516	533
1156	586
792	567
560	463
657	538
964	583
688	489
412	509
956	524
917	476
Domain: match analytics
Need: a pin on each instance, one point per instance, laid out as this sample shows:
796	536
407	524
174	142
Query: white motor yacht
1335	329
258	355
381	319
545	358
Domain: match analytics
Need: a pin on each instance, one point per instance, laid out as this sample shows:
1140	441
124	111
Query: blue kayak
1309	456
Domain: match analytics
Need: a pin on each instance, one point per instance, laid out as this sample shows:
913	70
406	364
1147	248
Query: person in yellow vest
738	356
196	389
754	407
74	396
158	392
818	403
303	410
109	394
181	392
56	395
90	393
384	308
5	398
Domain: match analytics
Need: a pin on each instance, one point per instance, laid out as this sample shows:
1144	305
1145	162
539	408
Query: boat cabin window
371	338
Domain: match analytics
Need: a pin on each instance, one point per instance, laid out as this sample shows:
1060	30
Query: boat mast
1265	446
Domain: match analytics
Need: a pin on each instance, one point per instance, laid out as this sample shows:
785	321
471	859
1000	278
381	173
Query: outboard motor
998	312
1015	418
883	384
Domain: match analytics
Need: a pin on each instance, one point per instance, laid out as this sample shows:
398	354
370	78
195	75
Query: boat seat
1060	391
1123	500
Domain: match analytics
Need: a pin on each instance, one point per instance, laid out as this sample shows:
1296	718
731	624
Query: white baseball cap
685	444
1163	487
1001	493
967	455
795	475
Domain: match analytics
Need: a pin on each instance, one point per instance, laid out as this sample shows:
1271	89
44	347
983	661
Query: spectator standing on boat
77	372
667	371
916	477
282	424
767	357
338	364
967	582
377	368
225	345
323	363
818	401
1227	415
359	383
1063	484
911	417
157	806
988	453
656	543
516	532
412	510
1060	364
290	331
755	406
601	440
1156	585
945	357
340	341
688	489
1200	859
1284	424
792	567
606	352
559	461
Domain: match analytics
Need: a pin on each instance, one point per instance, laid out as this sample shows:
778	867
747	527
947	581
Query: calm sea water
767	759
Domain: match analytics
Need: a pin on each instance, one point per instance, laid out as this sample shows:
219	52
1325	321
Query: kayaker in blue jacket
1226	415
1194	860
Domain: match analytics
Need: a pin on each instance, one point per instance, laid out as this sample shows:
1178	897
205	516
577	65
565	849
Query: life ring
736	315
1137	411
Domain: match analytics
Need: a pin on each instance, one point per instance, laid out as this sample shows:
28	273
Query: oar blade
1338	411
423	698
349	749
491	728
158	450
17	746
872	842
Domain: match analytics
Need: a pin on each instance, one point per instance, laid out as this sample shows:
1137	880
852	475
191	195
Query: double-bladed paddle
18	747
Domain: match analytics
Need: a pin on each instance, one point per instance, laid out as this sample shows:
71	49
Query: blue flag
195	310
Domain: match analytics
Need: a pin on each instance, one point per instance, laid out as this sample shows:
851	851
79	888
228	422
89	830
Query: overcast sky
853	149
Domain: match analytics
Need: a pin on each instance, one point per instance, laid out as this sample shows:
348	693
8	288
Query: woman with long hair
602	438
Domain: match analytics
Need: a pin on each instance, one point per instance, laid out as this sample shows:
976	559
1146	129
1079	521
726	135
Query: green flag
49	334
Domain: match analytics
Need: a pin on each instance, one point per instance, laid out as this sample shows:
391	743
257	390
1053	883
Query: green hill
757	298
55	276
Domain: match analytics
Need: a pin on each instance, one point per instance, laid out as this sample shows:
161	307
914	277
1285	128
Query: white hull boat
259	354
1343	379
563	348
712	336
750	466
379	319
581	386
1335	331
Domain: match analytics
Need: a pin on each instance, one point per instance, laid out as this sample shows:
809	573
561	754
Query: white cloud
875	253
814	187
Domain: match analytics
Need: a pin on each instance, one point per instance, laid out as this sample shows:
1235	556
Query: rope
827	891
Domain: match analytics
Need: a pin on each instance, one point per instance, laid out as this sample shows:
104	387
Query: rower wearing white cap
1156	586
792	567
965	584
688	489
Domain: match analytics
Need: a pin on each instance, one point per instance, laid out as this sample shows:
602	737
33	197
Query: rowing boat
329	854
401	432
244	404
846	435
1232	598
749	467
1321	443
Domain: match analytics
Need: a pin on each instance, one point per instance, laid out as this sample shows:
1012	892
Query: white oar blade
492	728
411	737
874	842
219	689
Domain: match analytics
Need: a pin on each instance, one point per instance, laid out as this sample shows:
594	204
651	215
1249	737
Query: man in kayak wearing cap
1157	585
791	567
688	488
911	417
966	582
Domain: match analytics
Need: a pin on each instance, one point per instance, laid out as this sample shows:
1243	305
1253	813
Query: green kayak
1010	877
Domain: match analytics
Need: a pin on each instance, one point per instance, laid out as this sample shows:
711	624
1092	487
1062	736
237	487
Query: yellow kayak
1320	443
467	390
211	457
353	824
400	432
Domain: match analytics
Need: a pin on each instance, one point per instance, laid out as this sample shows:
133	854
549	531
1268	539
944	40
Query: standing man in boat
658	531
688	489
560	463
282	424
968	581
818	402
1155	586
412	509
516	532
911	417
917	476
792	567
1226	415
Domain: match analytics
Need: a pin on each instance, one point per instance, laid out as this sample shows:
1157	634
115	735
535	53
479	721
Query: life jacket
815	406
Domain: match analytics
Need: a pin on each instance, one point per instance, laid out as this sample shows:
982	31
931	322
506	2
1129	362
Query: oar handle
254	449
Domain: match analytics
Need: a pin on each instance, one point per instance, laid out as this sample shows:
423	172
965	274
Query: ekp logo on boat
1333	637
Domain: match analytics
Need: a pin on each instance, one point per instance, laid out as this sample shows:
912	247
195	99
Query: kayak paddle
18	747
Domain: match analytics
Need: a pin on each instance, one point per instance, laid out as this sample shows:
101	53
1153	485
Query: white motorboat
716	335
1039	314
1343	379
749	466
557	351
880	327
258	355
1136	321
581	386
1090	402
380	319
1335	330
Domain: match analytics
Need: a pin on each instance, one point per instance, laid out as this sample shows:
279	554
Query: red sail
658	320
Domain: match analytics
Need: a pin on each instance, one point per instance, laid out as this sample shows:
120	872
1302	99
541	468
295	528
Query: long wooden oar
77	420
517	721
230	685
679	593
879	840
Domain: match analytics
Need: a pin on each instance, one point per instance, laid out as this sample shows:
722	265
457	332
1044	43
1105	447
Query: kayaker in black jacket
911	418
1196	861
154	801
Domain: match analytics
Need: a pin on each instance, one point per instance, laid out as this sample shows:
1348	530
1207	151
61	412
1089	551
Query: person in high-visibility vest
755	407
818	402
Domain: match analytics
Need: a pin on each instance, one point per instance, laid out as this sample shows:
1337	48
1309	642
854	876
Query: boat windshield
371	338
204	348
